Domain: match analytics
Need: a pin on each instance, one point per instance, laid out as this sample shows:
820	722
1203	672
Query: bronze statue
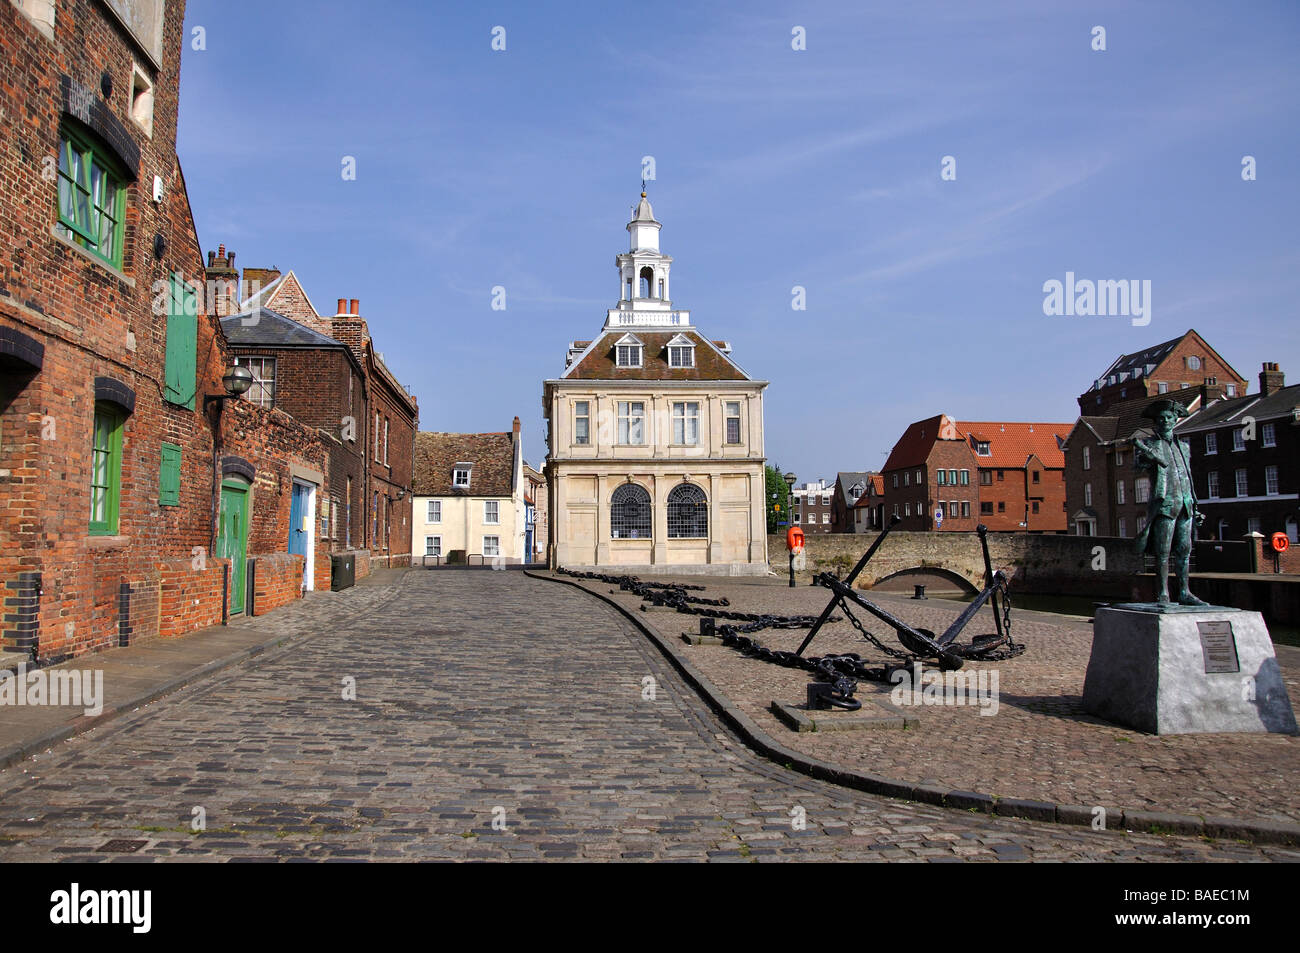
1171	509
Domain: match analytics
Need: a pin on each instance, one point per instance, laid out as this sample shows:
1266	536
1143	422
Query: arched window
629	513
647	281
688	512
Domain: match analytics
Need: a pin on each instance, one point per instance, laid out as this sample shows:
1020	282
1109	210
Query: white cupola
643	277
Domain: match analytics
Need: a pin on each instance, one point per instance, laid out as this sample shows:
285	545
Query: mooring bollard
707	626
920	591
819	696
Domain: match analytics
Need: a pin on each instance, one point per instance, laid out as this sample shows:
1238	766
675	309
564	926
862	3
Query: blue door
299	524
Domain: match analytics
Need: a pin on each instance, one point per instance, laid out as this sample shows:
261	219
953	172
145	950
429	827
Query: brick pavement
1039	745
475	691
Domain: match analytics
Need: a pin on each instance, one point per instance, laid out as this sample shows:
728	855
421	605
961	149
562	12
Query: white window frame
433	511
686	423
1241	482
1238	439
1087	458
496	545
434	543
456	476
630	411
728	417
1211	444
826	518
1119	492
1087	494
1212	485
1268	435
582	412
629	355
1270	481
681	355
491	512
1142	490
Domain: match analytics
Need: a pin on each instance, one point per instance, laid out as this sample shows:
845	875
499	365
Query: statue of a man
1171	509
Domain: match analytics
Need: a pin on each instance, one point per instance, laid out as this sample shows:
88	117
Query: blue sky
774	168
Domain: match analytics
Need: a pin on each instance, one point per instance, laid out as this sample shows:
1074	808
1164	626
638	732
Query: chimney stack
1212	390
221	284
516	427
1271	380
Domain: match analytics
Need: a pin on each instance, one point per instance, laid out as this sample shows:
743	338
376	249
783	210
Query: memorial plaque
1218	647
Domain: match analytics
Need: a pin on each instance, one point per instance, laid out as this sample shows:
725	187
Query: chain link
841	670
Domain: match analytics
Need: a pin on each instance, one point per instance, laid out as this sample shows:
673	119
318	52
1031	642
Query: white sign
938	518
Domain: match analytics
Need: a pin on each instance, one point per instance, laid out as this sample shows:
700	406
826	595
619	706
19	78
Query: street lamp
789	506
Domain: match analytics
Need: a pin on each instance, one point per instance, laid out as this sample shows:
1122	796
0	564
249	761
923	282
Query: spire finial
643	188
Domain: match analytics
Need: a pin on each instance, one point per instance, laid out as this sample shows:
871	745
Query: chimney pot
343	304
221	251
356	306
212	258
232	259
1271	380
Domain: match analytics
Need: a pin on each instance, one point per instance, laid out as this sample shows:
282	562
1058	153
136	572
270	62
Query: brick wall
276	581
1036	563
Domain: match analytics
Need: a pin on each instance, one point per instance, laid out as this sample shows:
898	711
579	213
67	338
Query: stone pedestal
1185	669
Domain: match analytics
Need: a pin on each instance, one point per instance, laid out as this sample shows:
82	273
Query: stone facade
655	438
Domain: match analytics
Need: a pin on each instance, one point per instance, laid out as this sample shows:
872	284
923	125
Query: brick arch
927	575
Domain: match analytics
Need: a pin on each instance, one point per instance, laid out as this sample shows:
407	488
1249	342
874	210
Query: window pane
688	513
629	513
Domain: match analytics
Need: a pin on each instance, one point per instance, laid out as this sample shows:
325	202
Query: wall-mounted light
237	380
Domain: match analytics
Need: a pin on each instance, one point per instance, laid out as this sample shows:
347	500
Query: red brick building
1105	495
382	435
1166	368
1007	476
139	502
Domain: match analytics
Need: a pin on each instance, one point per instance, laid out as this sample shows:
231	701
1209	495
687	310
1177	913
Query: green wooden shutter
169	475
182	345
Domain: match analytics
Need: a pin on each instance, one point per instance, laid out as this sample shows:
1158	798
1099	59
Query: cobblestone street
479	696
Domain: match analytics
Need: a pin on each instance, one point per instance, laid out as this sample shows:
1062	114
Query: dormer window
460	475
982	448
681	351
628	350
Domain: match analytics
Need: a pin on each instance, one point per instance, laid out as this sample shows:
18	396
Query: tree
778	495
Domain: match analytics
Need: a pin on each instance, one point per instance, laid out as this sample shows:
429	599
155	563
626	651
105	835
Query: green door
232	537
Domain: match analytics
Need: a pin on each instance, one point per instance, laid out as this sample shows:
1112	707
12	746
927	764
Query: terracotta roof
913	448
1011	444
598	364
436	455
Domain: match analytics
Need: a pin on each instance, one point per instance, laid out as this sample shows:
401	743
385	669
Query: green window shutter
182	345
169	475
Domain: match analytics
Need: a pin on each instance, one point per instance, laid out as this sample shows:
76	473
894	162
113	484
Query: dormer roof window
460	475
681	351
628	351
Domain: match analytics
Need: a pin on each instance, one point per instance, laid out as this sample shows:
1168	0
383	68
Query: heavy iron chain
840	670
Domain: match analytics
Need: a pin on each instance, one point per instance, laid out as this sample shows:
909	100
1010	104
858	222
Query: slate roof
436	455
599	361
1125	420
845	479
262	326
1282	403
1137	362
